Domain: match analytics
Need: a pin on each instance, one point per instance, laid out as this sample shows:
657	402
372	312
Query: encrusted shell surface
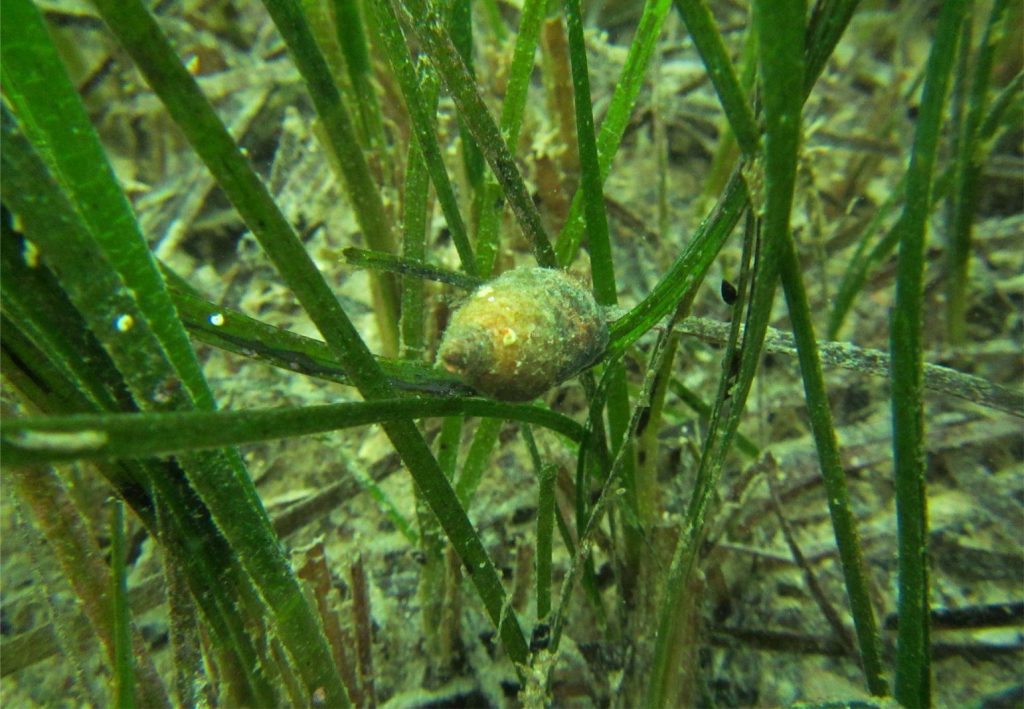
524	332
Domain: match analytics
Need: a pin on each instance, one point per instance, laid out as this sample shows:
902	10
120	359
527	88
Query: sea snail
524	332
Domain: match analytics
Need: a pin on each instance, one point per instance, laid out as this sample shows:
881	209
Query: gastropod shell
524	332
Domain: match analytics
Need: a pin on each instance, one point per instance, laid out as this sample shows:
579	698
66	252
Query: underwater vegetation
429	353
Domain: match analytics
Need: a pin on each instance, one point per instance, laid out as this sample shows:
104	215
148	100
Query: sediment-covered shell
524	332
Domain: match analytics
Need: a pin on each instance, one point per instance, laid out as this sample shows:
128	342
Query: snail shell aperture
524	332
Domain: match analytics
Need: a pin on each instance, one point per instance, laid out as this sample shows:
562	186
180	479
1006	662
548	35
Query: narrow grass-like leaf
412	323
82	270
351	34
589	519
495	21
862	260
1009	97
727	151
828	21
142	38
511	120
236	332
780	29
53	379
415	222
183	625
35	376
627	88
124	664
545	532
831	18
409	266
601	265
843	521
50	111
423	125
865	259
913	673
704	31
448	445
703	409
96	290
668	643
648	439
484	439
956	124
423	20
359	183
687	272
32	440
37	308
709	42
969	160
460	28
43	377
384	501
